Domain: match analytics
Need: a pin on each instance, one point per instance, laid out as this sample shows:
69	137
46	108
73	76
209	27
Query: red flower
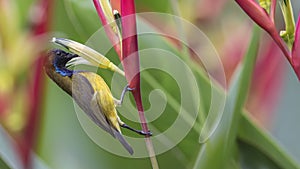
266	21
296	49
105	13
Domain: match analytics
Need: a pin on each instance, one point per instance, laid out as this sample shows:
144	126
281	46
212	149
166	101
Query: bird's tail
120	137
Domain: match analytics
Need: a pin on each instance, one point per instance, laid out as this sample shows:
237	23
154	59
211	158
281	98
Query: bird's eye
58	53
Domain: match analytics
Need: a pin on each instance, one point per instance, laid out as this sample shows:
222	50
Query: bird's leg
122	124
137	131
119	102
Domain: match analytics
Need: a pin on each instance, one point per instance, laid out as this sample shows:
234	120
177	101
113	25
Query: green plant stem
240	88
289	33
288	15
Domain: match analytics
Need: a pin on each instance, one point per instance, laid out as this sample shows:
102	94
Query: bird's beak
90	55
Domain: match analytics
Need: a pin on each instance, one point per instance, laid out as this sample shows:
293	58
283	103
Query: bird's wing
88	100
84	95
101	120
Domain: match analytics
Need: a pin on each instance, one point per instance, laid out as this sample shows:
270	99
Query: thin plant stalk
131	64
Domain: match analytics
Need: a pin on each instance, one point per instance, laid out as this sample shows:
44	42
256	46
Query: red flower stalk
40	27
105	14
131	64
296	49
261	17
257	13
265	21
130	44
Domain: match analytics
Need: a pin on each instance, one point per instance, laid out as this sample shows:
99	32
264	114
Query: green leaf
219	147
265	143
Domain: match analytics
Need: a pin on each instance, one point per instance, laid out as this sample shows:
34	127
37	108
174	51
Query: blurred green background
62	143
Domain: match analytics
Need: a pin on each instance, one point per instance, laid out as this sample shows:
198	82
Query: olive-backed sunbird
90	92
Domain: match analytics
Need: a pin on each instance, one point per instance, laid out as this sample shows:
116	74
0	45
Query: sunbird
90	92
